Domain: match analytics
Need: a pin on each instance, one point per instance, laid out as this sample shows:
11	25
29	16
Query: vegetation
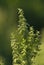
25	42
2	61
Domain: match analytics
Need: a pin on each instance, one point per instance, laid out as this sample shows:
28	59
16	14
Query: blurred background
33	12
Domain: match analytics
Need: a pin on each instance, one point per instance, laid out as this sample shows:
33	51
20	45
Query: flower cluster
24	43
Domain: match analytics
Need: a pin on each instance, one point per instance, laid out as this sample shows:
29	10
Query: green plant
24	43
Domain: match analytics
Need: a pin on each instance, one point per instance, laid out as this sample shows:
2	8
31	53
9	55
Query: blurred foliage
2	61
34	11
